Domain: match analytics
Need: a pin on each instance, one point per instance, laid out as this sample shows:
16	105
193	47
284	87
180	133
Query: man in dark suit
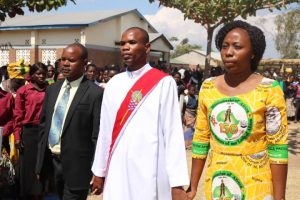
69	125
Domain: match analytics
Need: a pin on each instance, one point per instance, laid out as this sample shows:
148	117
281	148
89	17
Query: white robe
149	157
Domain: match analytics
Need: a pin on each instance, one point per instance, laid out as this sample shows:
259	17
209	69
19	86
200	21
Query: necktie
58	117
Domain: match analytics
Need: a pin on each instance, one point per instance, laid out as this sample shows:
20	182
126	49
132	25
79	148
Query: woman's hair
257	39
37	66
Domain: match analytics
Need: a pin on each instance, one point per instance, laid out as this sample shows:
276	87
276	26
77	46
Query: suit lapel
83	86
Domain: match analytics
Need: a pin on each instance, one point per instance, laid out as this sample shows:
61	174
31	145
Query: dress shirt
28	107
74	86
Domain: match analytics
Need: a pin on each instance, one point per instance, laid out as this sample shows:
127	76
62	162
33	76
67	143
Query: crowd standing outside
69	125
142	157
184	78
241	124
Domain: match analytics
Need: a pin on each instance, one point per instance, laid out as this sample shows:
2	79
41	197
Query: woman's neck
233	80
39	86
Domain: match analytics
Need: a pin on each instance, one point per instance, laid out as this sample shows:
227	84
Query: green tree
287	38
15	7
212	13
184	47
173	39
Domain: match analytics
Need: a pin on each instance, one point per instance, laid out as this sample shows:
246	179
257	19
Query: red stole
134	96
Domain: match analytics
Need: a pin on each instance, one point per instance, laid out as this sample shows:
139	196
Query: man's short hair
84	51
143	31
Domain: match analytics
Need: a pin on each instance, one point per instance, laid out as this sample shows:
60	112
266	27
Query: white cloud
171	22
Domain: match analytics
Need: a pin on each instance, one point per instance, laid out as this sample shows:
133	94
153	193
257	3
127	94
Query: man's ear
148	47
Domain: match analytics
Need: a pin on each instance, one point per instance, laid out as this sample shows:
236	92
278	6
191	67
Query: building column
12	55
82	38
34	53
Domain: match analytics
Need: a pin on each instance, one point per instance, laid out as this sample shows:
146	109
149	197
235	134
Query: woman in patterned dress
241	124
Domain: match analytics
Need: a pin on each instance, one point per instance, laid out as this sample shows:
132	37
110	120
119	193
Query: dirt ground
293	181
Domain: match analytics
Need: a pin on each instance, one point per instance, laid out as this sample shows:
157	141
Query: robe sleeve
176	164
104	138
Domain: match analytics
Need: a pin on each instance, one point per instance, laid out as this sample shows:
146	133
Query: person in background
189	115
17	73
289	95
27	112
180	90
60	76
50	74
57	65
296	100
69	126
112	72
91	73
105	77
6	113
241	124
144	156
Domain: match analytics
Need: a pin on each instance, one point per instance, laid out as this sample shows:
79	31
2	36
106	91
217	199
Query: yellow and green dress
242	135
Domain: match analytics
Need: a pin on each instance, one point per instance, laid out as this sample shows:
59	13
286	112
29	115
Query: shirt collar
73	84
30	86
137	73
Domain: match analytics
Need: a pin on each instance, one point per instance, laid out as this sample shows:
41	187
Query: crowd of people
123	131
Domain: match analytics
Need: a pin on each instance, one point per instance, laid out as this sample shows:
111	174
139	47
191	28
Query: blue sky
143	6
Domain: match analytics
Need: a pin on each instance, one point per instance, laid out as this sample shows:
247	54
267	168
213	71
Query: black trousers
63	191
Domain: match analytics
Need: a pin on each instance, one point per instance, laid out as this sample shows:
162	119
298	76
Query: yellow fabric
245	134
18	69
14	153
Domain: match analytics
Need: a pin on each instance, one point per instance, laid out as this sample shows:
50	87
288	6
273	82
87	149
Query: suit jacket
79	134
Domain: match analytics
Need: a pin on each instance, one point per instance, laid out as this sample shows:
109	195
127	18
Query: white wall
103	34
160	45
58	36
15	37
132	19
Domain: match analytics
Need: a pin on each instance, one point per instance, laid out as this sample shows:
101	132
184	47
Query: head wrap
18	69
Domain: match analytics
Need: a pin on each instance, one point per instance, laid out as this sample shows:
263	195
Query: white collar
137	73
73	83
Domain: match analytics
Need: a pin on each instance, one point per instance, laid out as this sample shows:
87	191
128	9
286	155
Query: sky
171	22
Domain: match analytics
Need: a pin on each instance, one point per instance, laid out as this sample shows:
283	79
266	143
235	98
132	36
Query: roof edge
42	27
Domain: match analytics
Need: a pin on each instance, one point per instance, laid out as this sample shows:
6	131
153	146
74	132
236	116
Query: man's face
134	49
91	73
72	63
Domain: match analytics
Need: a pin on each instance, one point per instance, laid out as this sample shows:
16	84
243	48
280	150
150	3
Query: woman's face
39	76
236	51
50	72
